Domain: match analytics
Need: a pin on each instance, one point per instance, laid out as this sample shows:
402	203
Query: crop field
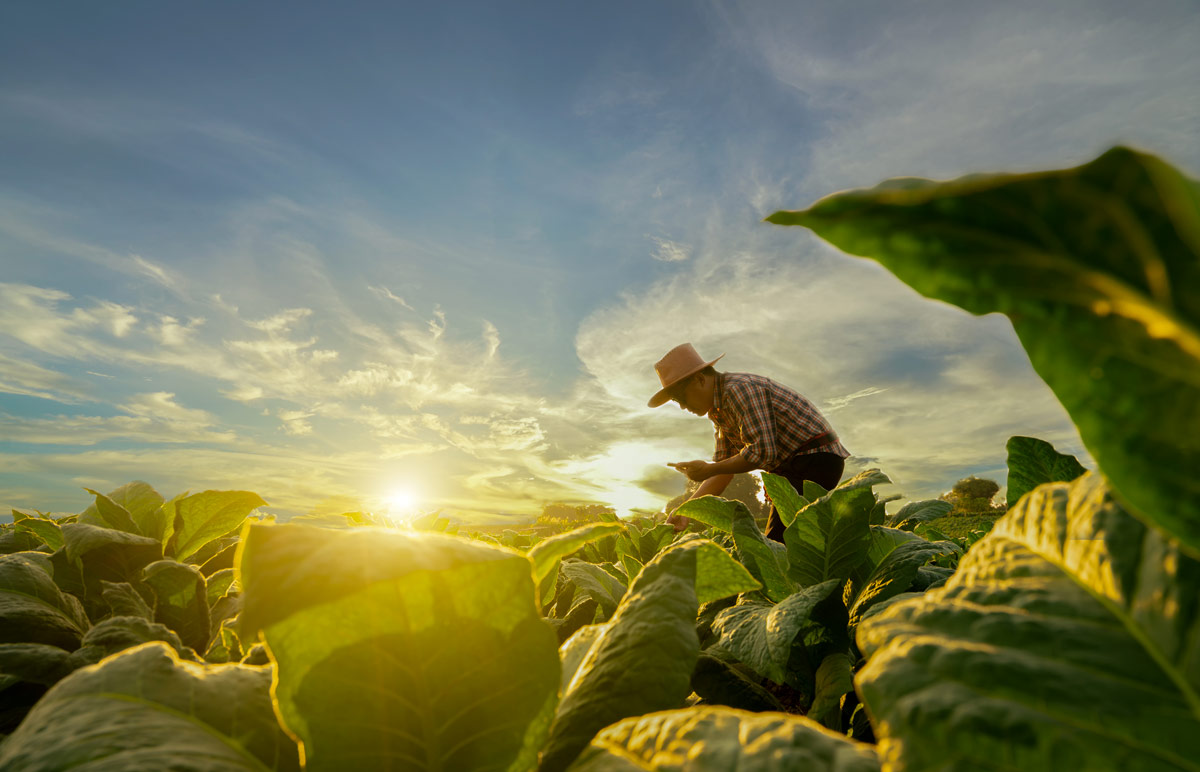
192	634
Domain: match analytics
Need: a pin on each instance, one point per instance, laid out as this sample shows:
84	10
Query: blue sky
332	253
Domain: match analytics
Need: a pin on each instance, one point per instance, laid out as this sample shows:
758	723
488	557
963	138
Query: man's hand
679	521
696	471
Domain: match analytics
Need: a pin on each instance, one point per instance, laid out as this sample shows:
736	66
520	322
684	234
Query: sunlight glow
400	504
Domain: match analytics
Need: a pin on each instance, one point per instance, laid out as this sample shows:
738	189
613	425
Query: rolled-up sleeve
756	425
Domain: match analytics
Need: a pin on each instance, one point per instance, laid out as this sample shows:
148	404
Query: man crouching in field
760	424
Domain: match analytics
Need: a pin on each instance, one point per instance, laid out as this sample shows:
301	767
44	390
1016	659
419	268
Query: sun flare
401	502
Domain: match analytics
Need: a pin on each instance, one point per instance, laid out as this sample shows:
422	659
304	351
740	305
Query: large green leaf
894	573
1032	462
108	555
761	634
125	601
908	516
134	508
32	607
15	539
783	496
181	600
596	583
41	663
1098	267
27	670
1069	638
713	511
400	650
829	538
548	552
643	659
145	709
766	559
106	513
202	517
718	739
44	528
125	632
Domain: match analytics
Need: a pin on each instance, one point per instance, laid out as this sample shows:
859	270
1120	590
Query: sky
409	257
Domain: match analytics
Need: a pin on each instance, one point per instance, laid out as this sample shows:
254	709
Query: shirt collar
718	393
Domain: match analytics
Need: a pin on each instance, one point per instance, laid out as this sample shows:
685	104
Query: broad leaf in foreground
642	660
1068	638
145	709
1032	462
400	651
718	739
1098	267
33	609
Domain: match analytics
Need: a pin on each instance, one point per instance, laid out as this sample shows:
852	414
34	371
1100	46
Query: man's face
687	395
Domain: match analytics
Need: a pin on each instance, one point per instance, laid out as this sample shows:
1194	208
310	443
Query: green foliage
762	635
730	739
44	528
558	512
180	600
974	488
144	709
1032	462
828	538
438	634
1098	267
643	659
32	607
783	495
745	488
914	513
548	553
1068	638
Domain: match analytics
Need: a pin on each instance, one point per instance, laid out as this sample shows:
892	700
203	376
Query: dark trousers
825	469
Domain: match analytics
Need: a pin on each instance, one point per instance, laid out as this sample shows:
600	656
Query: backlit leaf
719	739
145	709
1098	267
399	650
1068	638
1032	462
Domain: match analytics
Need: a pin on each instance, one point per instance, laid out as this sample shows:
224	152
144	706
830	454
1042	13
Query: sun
401	502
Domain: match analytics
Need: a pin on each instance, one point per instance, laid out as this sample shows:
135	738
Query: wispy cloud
837	403
150	418
36	226
668	251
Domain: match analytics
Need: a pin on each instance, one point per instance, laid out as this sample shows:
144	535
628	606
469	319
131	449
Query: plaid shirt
765	421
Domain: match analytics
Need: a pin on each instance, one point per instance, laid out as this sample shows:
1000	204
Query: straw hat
679	363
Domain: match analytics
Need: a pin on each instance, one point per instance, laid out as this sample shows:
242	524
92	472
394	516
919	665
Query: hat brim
661	397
